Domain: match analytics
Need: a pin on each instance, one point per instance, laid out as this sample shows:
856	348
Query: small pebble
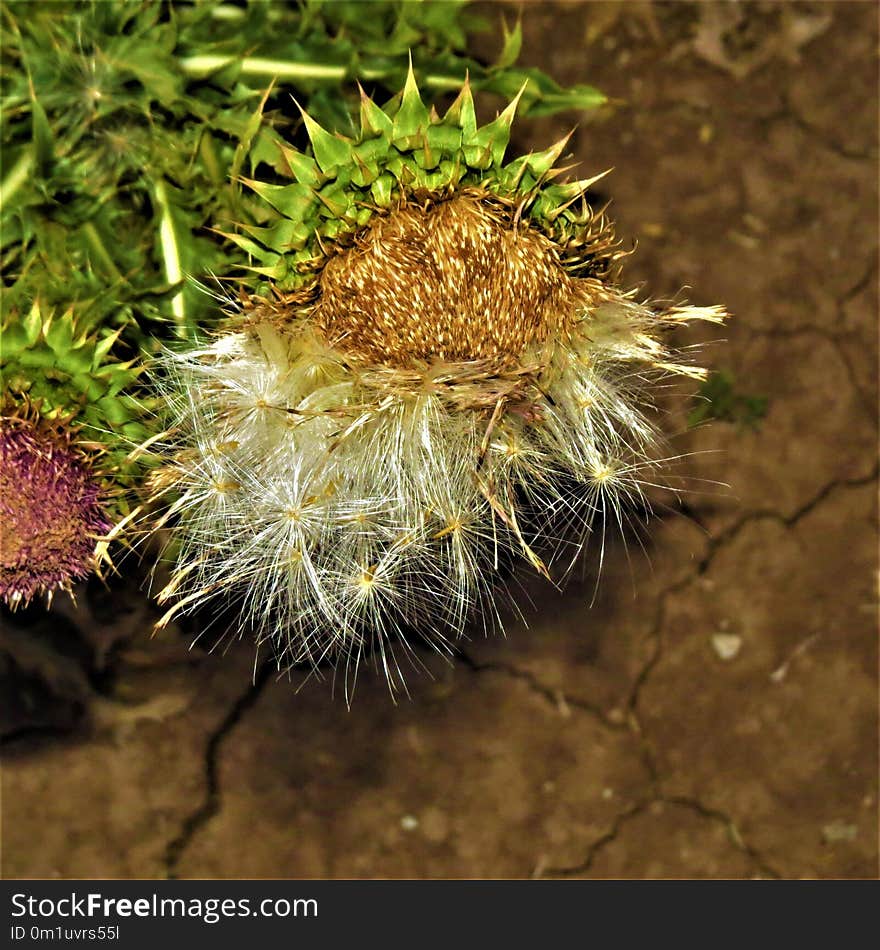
839	831
726	645
409	823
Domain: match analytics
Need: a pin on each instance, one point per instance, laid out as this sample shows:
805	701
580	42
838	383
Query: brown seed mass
460	280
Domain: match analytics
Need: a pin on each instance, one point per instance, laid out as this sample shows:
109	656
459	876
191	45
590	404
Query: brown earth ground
714	713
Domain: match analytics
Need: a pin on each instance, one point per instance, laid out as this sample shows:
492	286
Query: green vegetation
718	398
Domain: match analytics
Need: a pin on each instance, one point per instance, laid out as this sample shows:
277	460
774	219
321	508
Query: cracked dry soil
714	712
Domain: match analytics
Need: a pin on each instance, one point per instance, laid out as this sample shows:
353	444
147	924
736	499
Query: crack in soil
557	698
716	544
617	825
655	636
210	804
870	277
761	865
868	403
861	284
730	826
729	533
836	340
646	750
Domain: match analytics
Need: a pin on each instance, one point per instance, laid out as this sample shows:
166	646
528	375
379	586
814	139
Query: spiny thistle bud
66	368
68	411
51	510
442	371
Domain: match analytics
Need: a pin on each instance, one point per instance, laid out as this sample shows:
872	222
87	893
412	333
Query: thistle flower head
65	390
441	371
51	510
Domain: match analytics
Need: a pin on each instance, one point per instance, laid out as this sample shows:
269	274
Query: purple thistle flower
50	512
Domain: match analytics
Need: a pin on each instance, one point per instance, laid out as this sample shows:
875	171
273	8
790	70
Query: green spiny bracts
56	362
438	374
408	151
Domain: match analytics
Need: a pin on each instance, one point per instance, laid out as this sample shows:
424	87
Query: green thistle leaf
43	144
512	45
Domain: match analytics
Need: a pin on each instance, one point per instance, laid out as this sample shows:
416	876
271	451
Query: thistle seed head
445	377
51	512
458	280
